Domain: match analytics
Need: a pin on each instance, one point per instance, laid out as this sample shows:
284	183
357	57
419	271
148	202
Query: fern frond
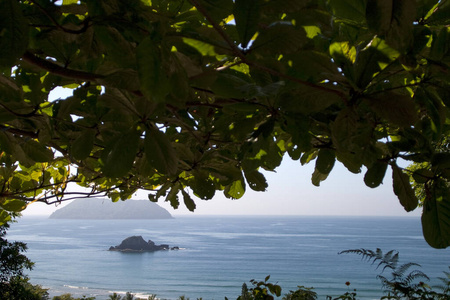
414	275
388	260
401	270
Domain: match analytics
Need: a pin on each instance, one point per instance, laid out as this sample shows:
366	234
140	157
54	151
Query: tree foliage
14	284
193	97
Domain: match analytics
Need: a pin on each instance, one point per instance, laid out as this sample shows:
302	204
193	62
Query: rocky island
138	244
105	209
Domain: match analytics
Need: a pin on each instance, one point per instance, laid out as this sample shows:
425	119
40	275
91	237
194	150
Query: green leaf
422	175
153	77
228	86
13	205
436	220
13	32
172	196
440	15
373	59
344	128
205	49
246	14
440	44
203	186
256	180
159	152
403	189
393	19
217	9
318	177
278	38
375	174
307	100
353	10
37	152
119	157
82	146
235	190
396	108
313	66
4	216
190	204
325	161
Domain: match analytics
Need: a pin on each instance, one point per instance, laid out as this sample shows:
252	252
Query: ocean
219	253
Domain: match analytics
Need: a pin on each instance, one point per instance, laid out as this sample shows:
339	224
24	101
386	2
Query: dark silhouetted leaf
159	152
403	189
119	157
190	204
246	14
256	181
325	161
375	174
82	146
436	220
14	32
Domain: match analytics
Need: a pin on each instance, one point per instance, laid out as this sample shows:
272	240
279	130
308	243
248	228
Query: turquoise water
219	254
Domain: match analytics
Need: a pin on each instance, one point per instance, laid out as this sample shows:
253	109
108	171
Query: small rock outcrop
138	244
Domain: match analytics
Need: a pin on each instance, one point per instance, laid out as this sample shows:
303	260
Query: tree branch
58	70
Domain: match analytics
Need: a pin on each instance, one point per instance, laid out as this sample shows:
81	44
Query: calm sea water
219	254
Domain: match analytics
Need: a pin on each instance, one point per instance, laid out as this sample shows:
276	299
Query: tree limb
58	70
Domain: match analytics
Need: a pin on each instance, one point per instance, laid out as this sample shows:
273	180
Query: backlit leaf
13	205
235	190
4	216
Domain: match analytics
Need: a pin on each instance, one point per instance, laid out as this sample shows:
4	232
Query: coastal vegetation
182	99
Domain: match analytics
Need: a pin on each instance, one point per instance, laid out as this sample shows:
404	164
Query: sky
291	192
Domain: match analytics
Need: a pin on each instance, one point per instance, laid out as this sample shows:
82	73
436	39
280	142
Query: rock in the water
138	244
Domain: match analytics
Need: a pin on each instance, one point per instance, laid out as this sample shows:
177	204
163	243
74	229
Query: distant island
105	209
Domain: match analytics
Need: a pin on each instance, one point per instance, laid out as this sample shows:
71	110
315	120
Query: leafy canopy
187	98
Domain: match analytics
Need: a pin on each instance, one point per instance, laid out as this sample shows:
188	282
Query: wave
76	287
136	295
